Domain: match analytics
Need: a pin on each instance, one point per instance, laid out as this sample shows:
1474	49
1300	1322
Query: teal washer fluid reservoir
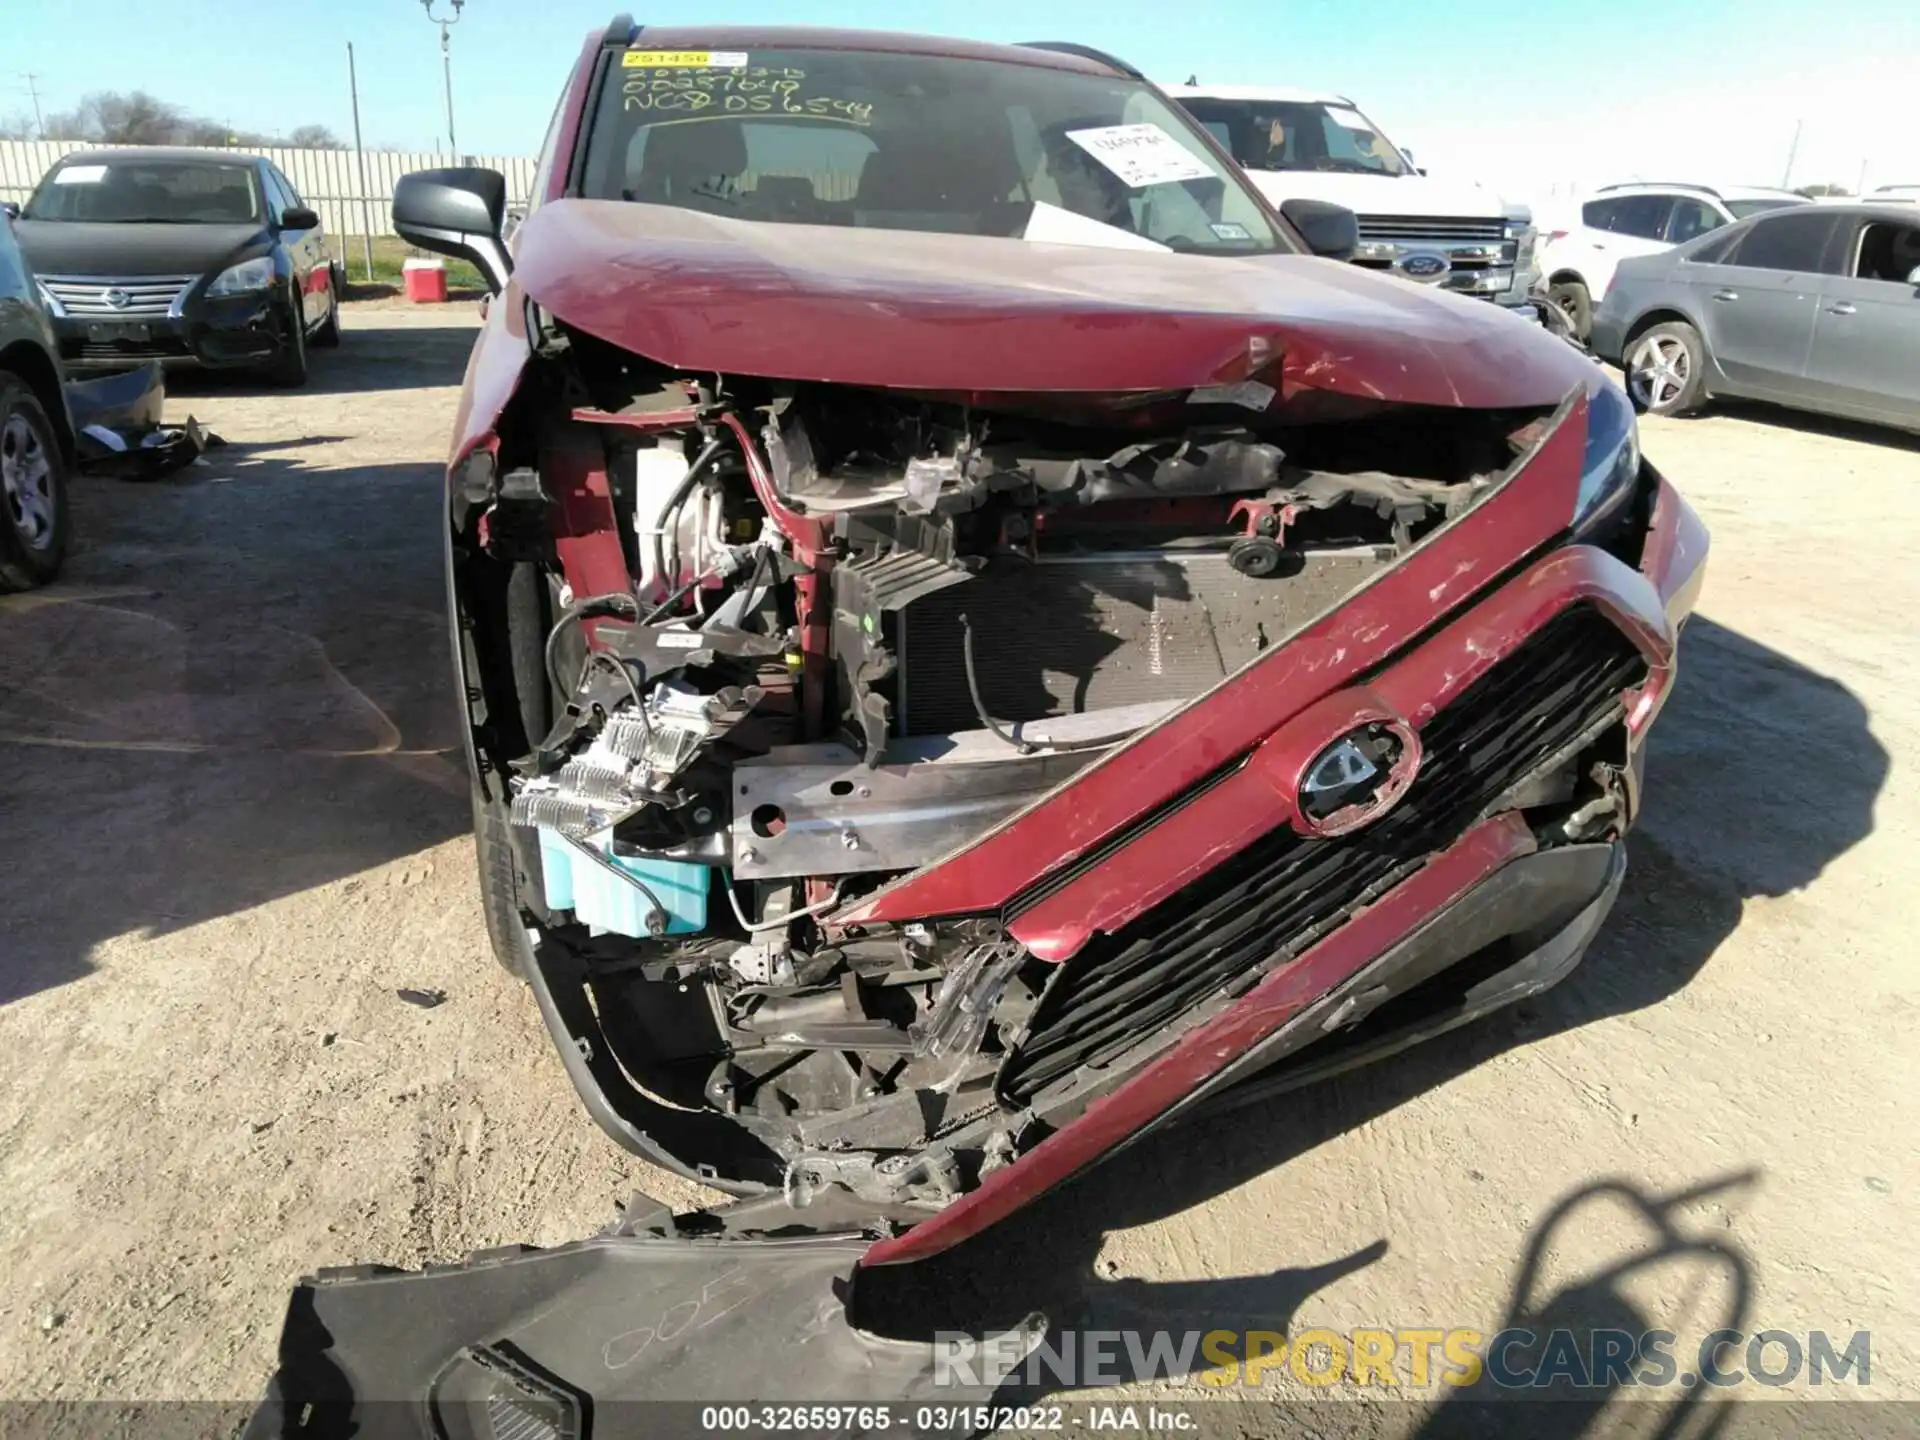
606	903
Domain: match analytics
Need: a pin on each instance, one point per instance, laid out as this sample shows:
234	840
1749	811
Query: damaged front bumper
646	1329
1571	656
219	334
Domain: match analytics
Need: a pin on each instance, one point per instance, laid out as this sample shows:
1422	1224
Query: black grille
125	353
1285	891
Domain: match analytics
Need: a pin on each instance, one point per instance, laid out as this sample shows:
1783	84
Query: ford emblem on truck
1425	265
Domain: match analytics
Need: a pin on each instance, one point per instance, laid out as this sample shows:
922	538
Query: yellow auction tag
683	59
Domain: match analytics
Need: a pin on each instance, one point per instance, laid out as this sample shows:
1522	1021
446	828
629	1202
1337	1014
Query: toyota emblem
1356	779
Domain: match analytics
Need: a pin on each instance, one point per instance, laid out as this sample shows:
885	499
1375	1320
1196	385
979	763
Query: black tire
327	337
1574	298
1666	369
33	489
290	369
520	622
499	885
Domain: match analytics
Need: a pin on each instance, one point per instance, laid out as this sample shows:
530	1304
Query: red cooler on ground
426	280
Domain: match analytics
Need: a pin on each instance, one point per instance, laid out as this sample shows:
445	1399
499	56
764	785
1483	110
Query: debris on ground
425	999
118	431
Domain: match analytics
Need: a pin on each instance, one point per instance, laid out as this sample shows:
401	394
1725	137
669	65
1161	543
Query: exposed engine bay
776	644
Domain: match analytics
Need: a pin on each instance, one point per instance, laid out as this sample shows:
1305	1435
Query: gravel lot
234	826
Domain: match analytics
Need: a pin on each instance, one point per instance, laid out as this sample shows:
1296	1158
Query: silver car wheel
26	479
1659	370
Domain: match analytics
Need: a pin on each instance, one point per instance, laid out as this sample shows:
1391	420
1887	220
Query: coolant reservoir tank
620	891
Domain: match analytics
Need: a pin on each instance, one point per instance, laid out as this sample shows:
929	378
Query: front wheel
290	369
1574	299
33	490
327	337
1667	369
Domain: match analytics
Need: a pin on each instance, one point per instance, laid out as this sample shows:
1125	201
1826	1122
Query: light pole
446	62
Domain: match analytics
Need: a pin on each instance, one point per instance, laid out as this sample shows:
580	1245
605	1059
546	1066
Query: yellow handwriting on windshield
745	90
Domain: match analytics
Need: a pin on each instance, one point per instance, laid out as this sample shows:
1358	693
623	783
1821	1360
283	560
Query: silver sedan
1817	308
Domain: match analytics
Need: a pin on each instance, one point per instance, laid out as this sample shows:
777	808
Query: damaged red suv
980	635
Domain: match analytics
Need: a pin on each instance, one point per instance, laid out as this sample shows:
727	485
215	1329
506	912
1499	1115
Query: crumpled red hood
917	311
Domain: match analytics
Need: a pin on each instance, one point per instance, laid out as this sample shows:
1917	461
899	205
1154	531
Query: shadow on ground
1806	422
1586	1336
239	690
1761	773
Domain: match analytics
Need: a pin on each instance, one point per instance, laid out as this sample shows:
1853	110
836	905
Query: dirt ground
232	828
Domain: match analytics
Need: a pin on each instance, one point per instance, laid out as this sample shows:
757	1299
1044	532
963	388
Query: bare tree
18	126
111	117
314	137
114	118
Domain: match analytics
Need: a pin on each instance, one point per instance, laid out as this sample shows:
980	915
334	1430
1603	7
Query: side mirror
1329	230
458	212
299	217
10	209
1913	277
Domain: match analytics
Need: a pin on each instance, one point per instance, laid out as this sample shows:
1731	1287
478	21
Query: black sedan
36	434
190	257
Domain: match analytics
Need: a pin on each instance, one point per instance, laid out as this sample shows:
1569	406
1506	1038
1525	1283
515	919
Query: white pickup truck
1307	144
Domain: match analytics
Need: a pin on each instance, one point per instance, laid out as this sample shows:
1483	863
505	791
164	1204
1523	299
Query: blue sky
1534	99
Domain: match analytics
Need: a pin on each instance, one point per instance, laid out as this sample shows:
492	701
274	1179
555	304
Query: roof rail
1662	185
1085	52
620	32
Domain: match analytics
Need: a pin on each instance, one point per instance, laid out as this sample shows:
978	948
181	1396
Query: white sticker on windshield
1230	230
1141	155
80	175
1349	119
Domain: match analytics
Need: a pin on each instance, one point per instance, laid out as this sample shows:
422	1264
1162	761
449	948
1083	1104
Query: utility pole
446	63
1793	150
32	77
360	157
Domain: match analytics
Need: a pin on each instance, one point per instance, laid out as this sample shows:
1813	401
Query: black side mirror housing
10	209
299	217
460	212
1329	230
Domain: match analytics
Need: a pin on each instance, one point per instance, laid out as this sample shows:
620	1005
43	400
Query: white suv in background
1307	144
1620	221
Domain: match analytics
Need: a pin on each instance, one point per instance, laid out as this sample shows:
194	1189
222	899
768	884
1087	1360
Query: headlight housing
243	279
1612	460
